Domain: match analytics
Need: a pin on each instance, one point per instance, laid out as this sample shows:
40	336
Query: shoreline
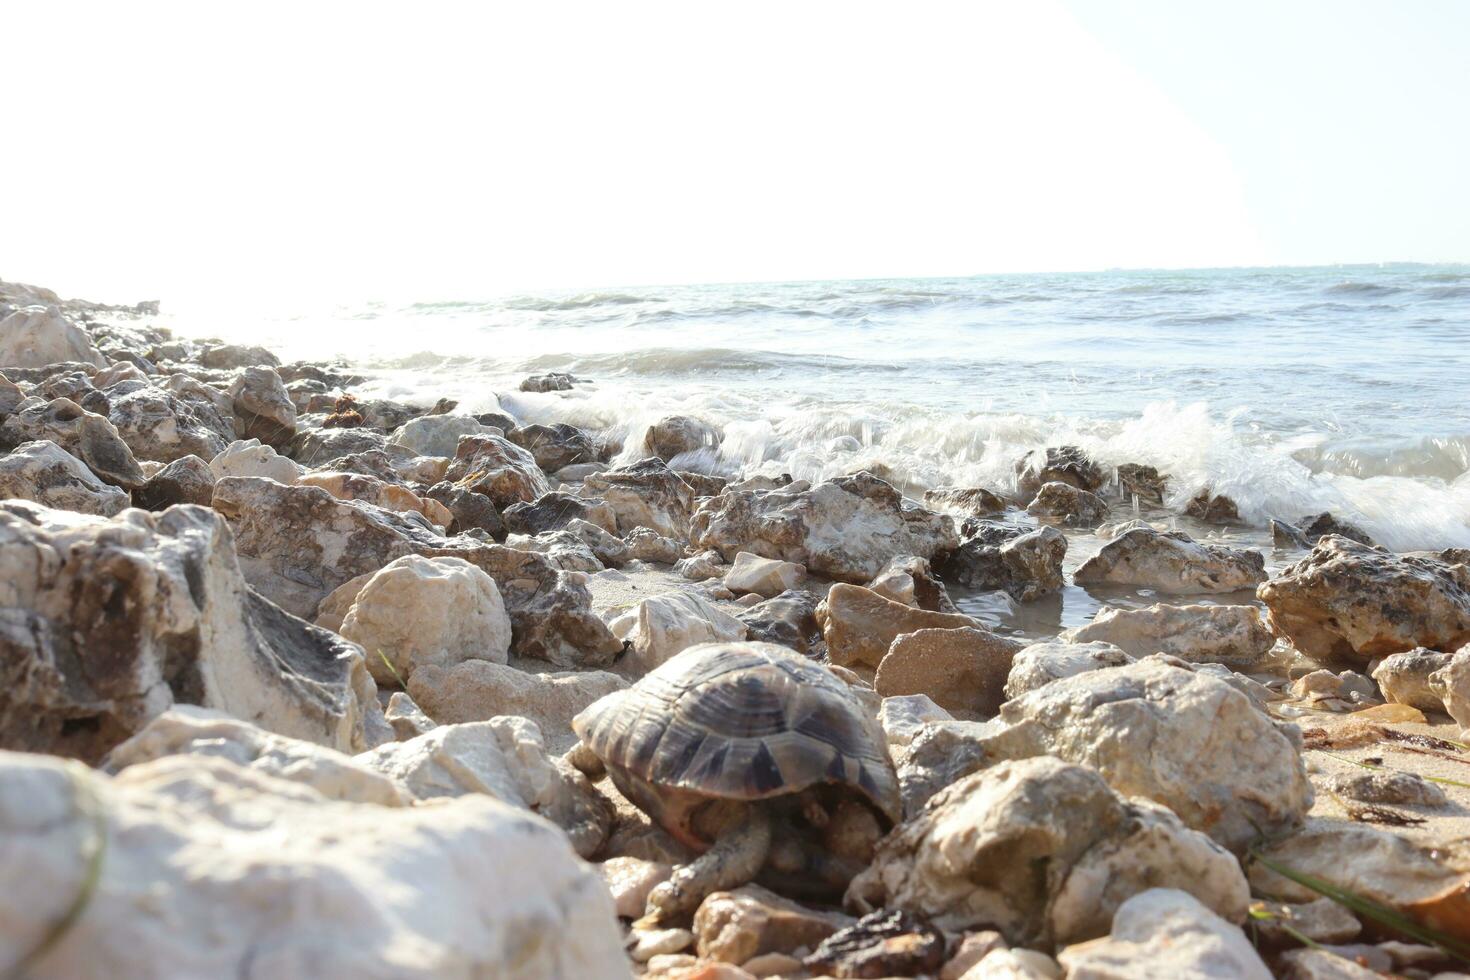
393	611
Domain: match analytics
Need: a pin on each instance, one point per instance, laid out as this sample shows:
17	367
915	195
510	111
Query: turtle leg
734	860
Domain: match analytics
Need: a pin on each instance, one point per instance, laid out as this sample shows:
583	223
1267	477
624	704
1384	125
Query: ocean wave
1359	288
698	361
581	301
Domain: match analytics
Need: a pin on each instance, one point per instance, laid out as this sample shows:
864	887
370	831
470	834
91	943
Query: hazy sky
294	150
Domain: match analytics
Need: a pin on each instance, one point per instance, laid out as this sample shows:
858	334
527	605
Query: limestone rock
1212	508
416	611
104	624
555	510
555	446
297	544
970	501
1143	482
646	544
1057	464
468	510
645	494
964	670
1064	504
35	336
702	567
664	625
249	457
1179	737
847	529
160	427
1321	920
859	625
405	717
46	474
610	550
1165	932
1323	964
505	758
188	480
498	468
312	446
1352	602
371	490
87	436
1041	663
477	690
1377	864
1026	566
435	435
1452	684
187	730
1394	788
903	718
232	356
1043	851
736	926
766	577
789	619
552	381
1232	635
630	879
677	435
1404	678
230	857
263	408
1173	564
562	548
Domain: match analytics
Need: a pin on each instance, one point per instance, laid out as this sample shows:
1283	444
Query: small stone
964	670
734	926
250	457
678	435
263	408
1173	564
701	567
1232	635
46	474
765	577
1041	663
663	625
1064	504
772	965
646	544
904	717
184	481
973	947
1394	788
405	717
630	879
435	435
860	625
1404	678
970	501
1323	964
1321	920
1165	932
646	944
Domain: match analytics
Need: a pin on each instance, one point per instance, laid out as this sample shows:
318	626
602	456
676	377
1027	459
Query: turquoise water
1292	390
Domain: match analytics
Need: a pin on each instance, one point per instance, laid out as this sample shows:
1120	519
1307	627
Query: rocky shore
298	683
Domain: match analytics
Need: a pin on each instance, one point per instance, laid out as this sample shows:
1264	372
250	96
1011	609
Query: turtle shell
741	721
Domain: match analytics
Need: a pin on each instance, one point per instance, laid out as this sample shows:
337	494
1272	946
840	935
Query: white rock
1178	736
418	610
766	577
1014	964
35	336
663	625
1043	851
477	690
107	623
212	870
701	567
1232	635
45	473
438	435
1173	564
1165	932
505	758
188	730
248	457
263	408
905	716
1452	685
1041	663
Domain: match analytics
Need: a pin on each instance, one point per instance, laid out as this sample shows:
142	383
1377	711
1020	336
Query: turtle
758	758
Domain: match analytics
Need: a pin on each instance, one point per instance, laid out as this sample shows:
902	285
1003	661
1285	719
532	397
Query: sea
1291	390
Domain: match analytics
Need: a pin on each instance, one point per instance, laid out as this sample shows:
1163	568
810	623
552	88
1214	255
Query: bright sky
438	150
